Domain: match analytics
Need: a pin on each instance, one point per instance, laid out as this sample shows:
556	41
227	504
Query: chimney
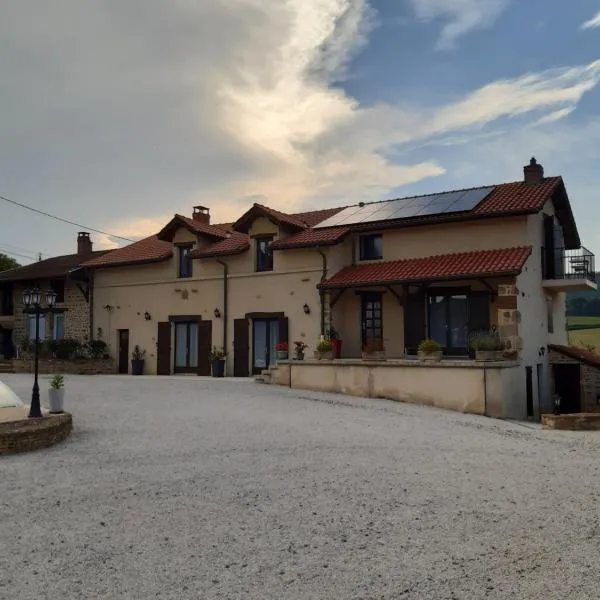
84	244
201	214
534	173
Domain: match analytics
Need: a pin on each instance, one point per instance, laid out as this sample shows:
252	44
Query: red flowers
282	346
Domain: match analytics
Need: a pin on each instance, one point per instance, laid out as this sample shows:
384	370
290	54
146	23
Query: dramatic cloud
593	22
460	16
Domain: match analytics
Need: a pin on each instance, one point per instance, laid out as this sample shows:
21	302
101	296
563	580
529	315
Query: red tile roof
314	217
236	244
483	263
167	232
581	354
258	210
311	237
148	250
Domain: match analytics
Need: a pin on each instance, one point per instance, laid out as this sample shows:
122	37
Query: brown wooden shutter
163	349
241	348
414	321
204	347
284	330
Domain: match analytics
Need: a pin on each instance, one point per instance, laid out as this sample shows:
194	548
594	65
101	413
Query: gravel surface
191	488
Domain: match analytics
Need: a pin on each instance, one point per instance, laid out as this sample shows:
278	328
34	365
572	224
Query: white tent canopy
8	397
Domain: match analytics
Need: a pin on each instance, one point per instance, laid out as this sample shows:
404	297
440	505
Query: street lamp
32	302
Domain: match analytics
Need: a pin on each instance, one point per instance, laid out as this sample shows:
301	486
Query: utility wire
10	252
41	212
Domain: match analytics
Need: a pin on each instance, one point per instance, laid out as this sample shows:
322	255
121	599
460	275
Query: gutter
225	315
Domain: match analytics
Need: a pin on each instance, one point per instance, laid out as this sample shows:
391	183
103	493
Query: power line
41	212
10	252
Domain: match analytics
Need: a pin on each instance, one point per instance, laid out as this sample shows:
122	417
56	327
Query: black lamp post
32	302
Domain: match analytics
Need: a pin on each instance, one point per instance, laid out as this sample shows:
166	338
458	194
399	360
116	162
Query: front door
568	386
449	322
265	335
123	351
371	318
186	347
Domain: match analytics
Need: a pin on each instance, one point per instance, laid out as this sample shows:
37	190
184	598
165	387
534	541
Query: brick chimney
201	214
534	173
84	244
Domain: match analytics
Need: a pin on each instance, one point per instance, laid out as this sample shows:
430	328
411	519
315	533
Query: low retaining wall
49	366
465	386
32	434
572	422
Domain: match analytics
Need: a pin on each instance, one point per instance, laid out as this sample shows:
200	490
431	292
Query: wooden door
163	349
123	351
241	348
204	347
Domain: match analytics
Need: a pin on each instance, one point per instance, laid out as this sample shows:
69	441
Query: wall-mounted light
147	316
306	309
217	313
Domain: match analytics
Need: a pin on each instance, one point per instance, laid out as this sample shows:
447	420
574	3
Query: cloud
555	116
460	16
593	22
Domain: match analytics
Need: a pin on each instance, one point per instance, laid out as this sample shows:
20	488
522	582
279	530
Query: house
442	266
71	318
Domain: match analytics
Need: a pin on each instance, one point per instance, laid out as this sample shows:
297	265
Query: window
185	262
371	247
31	327
58	332
264	256
58	287
186	347
550	313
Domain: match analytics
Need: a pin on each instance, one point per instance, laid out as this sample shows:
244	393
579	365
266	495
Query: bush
324	346
216	354
96	348
429	346
487	342
67	349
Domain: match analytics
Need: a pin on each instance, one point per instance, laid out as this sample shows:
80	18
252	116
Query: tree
7	262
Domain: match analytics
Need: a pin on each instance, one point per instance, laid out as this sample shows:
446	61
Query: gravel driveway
190	488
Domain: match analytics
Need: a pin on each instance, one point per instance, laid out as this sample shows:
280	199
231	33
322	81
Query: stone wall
590	381
49	366
32	434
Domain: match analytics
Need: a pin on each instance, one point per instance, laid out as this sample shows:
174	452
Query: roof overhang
257	211
564	214
167	233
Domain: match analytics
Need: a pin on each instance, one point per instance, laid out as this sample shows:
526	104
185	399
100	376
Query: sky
116	115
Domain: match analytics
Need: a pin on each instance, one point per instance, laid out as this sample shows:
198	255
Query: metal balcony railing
569	264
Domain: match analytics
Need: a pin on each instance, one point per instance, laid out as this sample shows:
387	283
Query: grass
585	337
584	321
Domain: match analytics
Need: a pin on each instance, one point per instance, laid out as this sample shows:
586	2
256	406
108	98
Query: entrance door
163	349
186	347
568	386
371	318
241	348
123	351
449	322
265	336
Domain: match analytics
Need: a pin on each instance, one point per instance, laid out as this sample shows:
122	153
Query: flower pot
137	367
485	355
299	356
325	355
56	400
430	356
281	354
218	368
336	346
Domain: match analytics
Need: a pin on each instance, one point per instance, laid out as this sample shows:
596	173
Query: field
580	335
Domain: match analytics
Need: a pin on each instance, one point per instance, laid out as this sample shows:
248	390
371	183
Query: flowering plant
282	346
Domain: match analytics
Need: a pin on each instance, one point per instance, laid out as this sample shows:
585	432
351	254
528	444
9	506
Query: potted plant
56	394
373	349
487	346
217	362
429	351
137	360
281	351
324	350
299	348
336	343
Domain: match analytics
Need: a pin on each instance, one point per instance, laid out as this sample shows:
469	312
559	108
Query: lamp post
32	302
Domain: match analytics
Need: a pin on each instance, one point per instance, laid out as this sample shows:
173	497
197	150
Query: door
163	349
529	390
567	380
541	385
186	347
449	322
241	347
123	351
204	347
265	336
371	318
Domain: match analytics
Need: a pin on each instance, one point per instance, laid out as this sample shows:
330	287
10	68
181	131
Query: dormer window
185	262
264	256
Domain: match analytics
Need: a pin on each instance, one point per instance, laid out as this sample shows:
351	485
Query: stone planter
56	400
281	355
375	355
487	355
430	356
324	355
218	368
137	367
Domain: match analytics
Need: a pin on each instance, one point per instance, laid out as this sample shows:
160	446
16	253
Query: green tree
7	262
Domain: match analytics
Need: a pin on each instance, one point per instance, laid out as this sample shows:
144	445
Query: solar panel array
418	206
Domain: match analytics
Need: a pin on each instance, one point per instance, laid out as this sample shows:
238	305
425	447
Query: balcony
569	270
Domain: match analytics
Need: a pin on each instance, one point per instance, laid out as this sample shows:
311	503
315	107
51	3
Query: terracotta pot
336	346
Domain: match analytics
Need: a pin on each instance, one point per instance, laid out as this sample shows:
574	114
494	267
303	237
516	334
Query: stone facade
49	366
590	381
31	434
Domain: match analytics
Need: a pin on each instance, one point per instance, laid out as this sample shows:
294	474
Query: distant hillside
584	304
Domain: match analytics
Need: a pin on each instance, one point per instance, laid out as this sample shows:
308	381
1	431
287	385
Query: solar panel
337	218
470	199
